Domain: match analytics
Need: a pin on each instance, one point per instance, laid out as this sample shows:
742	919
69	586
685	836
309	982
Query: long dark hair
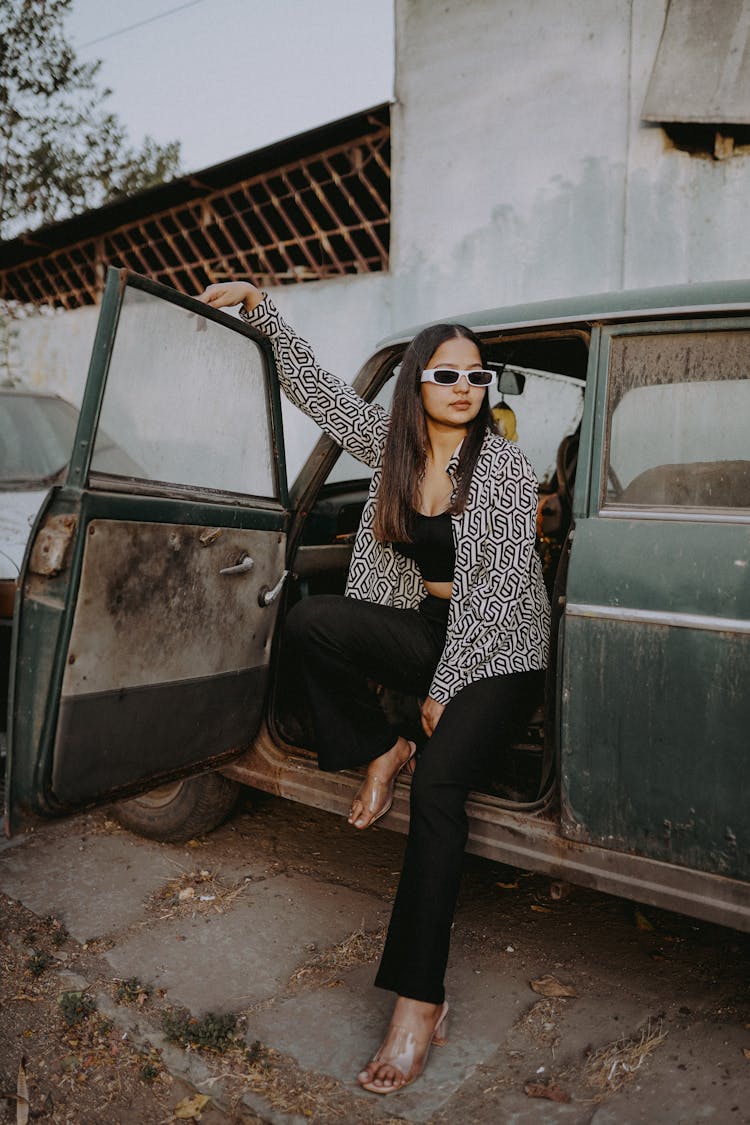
405	453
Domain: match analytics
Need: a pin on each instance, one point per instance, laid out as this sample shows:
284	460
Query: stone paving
280	889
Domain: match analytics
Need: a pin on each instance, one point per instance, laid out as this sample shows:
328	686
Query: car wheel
180	810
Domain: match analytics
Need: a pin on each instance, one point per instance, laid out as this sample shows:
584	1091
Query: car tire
180	810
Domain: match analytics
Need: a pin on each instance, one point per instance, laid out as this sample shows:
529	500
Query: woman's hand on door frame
225	294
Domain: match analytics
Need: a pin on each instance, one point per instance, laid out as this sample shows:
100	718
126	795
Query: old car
147	665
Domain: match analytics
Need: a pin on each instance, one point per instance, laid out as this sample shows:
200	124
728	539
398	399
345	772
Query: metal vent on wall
323	215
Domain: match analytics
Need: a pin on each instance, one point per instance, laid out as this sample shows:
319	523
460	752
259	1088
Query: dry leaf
746	1052
549	1090
22	1095
507	886
542	909
189	1108
642	921
550	986
186	893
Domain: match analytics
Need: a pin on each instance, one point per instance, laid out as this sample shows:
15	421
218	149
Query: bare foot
375	795
402	1055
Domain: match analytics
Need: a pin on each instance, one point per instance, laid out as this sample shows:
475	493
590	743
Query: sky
225	77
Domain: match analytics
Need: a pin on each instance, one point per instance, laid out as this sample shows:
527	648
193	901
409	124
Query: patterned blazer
499	613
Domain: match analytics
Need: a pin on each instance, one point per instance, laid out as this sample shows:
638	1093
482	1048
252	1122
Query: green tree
61	151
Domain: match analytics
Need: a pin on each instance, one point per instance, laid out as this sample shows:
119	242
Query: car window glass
186	399
679	420
548	409
36	437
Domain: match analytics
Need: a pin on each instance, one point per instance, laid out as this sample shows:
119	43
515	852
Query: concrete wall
521	168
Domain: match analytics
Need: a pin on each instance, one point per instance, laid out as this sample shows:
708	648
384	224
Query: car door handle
242	567
266	596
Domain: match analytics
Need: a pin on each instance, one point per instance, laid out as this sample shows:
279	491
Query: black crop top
432	547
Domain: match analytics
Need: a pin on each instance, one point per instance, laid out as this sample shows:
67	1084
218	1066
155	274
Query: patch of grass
213	1032
257	1054
59	934
131	991
76	1007
151	1067
38	962
360	948
610	1067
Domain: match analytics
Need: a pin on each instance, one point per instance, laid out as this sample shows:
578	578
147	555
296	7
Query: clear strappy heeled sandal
403	1052
379	793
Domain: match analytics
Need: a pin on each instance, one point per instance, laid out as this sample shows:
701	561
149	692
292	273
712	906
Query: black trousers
343	645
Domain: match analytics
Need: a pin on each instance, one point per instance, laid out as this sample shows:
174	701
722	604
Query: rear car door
655	729
150	587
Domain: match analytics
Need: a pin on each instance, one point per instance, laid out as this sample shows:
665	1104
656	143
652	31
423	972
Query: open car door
149	590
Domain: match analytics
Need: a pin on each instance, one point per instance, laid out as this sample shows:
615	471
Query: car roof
715	296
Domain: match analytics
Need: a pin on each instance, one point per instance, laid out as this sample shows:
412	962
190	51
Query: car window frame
80	474
597	502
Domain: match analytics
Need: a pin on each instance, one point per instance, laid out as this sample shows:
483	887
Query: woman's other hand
228	293
431	712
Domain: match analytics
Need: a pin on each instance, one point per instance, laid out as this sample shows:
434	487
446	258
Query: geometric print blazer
499	613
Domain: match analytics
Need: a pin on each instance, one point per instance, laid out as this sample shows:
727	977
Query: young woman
444	600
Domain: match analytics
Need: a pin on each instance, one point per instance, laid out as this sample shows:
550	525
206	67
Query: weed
150	1071
257	1055
131	991
76	1007
213	1032
59	935
38	962
57	931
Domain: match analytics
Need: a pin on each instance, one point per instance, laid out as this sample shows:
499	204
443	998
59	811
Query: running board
523	840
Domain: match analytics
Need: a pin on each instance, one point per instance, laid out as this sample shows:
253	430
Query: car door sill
504	836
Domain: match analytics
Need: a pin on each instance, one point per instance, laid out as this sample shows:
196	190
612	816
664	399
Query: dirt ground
604	1005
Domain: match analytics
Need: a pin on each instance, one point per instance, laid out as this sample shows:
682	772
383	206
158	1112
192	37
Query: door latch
243	566
266	596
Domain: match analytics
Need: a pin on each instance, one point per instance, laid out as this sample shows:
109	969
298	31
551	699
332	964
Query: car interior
538	401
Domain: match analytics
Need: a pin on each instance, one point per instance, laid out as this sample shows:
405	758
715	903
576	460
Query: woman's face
457	405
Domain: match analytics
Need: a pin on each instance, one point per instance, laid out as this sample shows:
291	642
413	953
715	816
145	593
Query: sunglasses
449	376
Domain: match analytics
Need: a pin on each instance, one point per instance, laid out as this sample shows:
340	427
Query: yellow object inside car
505	418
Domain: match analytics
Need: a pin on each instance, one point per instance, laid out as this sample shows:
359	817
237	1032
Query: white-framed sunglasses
449	376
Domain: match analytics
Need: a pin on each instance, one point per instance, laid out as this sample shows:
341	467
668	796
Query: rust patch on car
51	550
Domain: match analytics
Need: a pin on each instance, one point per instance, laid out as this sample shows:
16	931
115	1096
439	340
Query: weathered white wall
687	216
521	169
